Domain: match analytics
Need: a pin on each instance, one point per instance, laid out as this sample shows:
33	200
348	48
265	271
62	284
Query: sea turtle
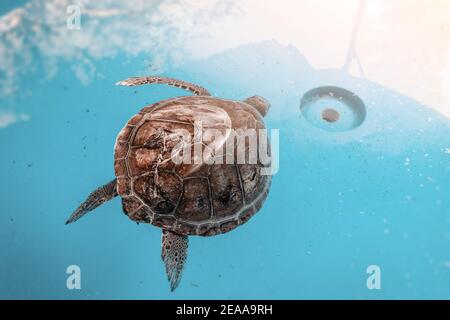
185	198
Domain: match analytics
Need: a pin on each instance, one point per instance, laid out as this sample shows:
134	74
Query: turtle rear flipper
95	199
174	254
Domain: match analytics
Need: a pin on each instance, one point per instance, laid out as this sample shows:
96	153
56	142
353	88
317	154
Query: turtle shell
189	197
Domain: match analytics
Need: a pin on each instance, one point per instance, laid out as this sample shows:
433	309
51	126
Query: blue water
377	194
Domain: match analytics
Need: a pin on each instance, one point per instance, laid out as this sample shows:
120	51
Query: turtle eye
333	109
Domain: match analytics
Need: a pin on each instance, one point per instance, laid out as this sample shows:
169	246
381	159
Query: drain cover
333	109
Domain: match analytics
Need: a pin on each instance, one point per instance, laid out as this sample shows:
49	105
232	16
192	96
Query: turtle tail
95	199
137	81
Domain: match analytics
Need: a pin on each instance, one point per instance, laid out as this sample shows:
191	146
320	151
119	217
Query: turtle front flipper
95	199
137	81
174	254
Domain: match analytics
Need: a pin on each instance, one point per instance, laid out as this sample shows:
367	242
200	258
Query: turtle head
259	103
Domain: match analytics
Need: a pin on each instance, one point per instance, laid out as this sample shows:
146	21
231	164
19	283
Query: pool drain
330	115
333	109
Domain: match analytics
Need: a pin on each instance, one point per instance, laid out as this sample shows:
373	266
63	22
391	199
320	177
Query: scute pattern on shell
189	199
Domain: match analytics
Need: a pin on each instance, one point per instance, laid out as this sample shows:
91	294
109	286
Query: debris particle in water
29	165
194	285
